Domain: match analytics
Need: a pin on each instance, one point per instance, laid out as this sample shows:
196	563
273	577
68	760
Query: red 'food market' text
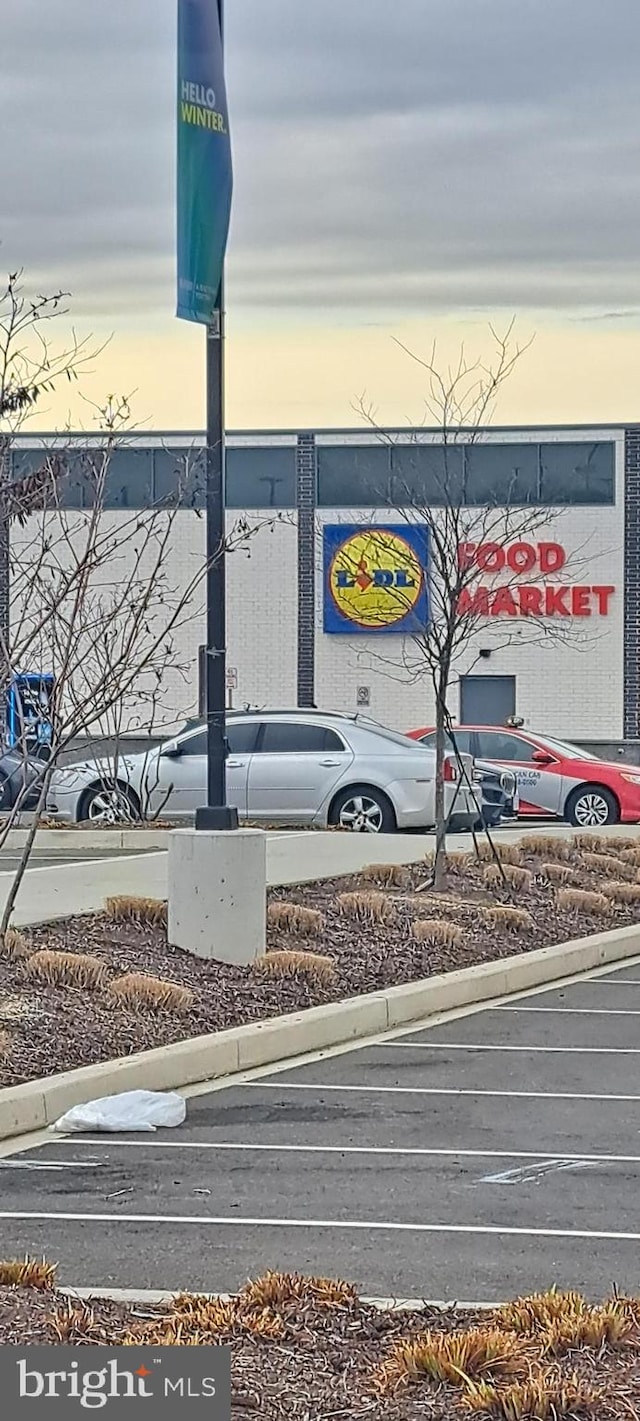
521	599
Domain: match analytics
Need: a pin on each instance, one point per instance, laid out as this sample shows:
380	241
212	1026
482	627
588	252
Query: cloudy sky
413	169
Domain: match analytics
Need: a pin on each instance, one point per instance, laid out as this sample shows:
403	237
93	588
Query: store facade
329	603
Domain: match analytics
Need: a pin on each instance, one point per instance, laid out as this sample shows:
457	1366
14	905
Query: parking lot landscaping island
310	1346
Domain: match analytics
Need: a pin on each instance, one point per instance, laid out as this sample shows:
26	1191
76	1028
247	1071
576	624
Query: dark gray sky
443	155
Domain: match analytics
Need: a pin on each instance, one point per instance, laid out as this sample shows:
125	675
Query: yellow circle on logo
375	578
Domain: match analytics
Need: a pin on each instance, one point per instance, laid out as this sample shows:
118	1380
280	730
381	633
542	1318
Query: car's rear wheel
6	793
592	806
363	810
105	804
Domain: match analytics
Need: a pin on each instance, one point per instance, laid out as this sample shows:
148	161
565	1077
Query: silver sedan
297	767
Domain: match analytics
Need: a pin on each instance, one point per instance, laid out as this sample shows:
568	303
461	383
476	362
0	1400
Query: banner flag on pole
205	175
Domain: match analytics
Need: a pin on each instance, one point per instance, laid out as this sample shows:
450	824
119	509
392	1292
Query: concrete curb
75	836
158	1297
75	839
38	1104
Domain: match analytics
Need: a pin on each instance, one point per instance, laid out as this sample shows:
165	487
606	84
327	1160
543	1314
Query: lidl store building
295	636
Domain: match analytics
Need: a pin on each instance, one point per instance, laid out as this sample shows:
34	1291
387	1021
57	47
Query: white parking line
321	1089
572	1011
531	1173
48	1164
610	981
380	1226
482	1046
338	1150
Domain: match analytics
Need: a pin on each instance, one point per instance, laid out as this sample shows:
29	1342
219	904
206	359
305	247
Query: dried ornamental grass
14	945
456	862
172	1332
627	894
631	855
546	1395
451	1357
558	873
387	875
126	909
28	1273
507	853
546	846
297	964
74	1323
629	1306
138	992
459	862
576	900
596	1327
536	1312
595	844
608	866
221	1311
519	878
437	931
219	1318
512	920
606	844
65	969
280	1289
220	1322
366	907
293	918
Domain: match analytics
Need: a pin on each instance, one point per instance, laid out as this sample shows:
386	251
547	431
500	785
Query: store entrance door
487	700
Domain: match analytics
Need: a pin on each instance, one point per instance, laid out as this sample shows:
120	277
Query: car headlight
631	779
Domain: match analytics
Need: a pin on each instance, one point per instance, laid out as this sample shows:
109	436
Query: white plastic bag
135	1110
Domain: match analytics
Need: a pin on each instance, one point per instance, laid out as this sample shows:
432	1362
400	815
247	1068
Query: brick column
306	486
632	585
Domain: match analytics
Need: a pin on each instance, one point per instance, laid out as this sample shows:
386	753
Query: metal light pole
217	814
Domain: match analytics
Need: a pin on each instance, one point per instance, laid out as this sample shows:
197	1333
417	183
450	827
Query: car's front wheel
592	806
363	810
105	804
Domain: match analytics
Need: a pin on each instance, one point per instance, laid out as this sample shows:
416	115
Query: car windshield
393	735
562	747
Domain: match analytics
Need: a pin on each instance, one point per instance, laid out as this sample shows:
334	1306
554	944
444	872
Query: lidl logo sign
376	579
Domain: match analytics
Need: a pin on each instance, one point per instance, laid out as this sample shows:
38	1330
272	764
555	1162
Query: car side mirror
172	750
542	757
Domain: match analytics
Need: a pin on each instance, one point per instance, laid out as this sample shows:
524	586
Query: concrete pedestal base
217	893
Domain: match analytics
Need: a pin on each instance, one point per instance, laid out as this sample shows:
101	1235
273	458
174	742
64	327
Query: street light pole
217	814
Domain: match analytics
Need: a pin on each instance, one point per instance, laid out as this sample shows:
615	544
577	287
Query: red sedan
554	778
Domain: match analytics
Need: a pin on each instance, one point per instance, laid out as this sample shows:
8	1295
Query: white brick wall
262	621
262	612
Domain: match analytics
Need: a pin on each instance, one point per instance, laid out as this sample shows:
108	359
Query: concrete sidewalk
67	889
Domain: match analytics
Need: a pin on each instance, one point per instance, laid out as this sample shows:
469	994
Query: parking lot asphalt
51	858
474	1159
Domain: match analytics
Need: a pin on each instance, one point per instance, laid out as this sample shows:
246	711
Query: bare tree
30	367
104	604
468	570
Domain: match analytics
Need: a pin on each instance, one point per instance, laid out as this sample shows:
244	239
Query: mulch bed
50	1029
302	1358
